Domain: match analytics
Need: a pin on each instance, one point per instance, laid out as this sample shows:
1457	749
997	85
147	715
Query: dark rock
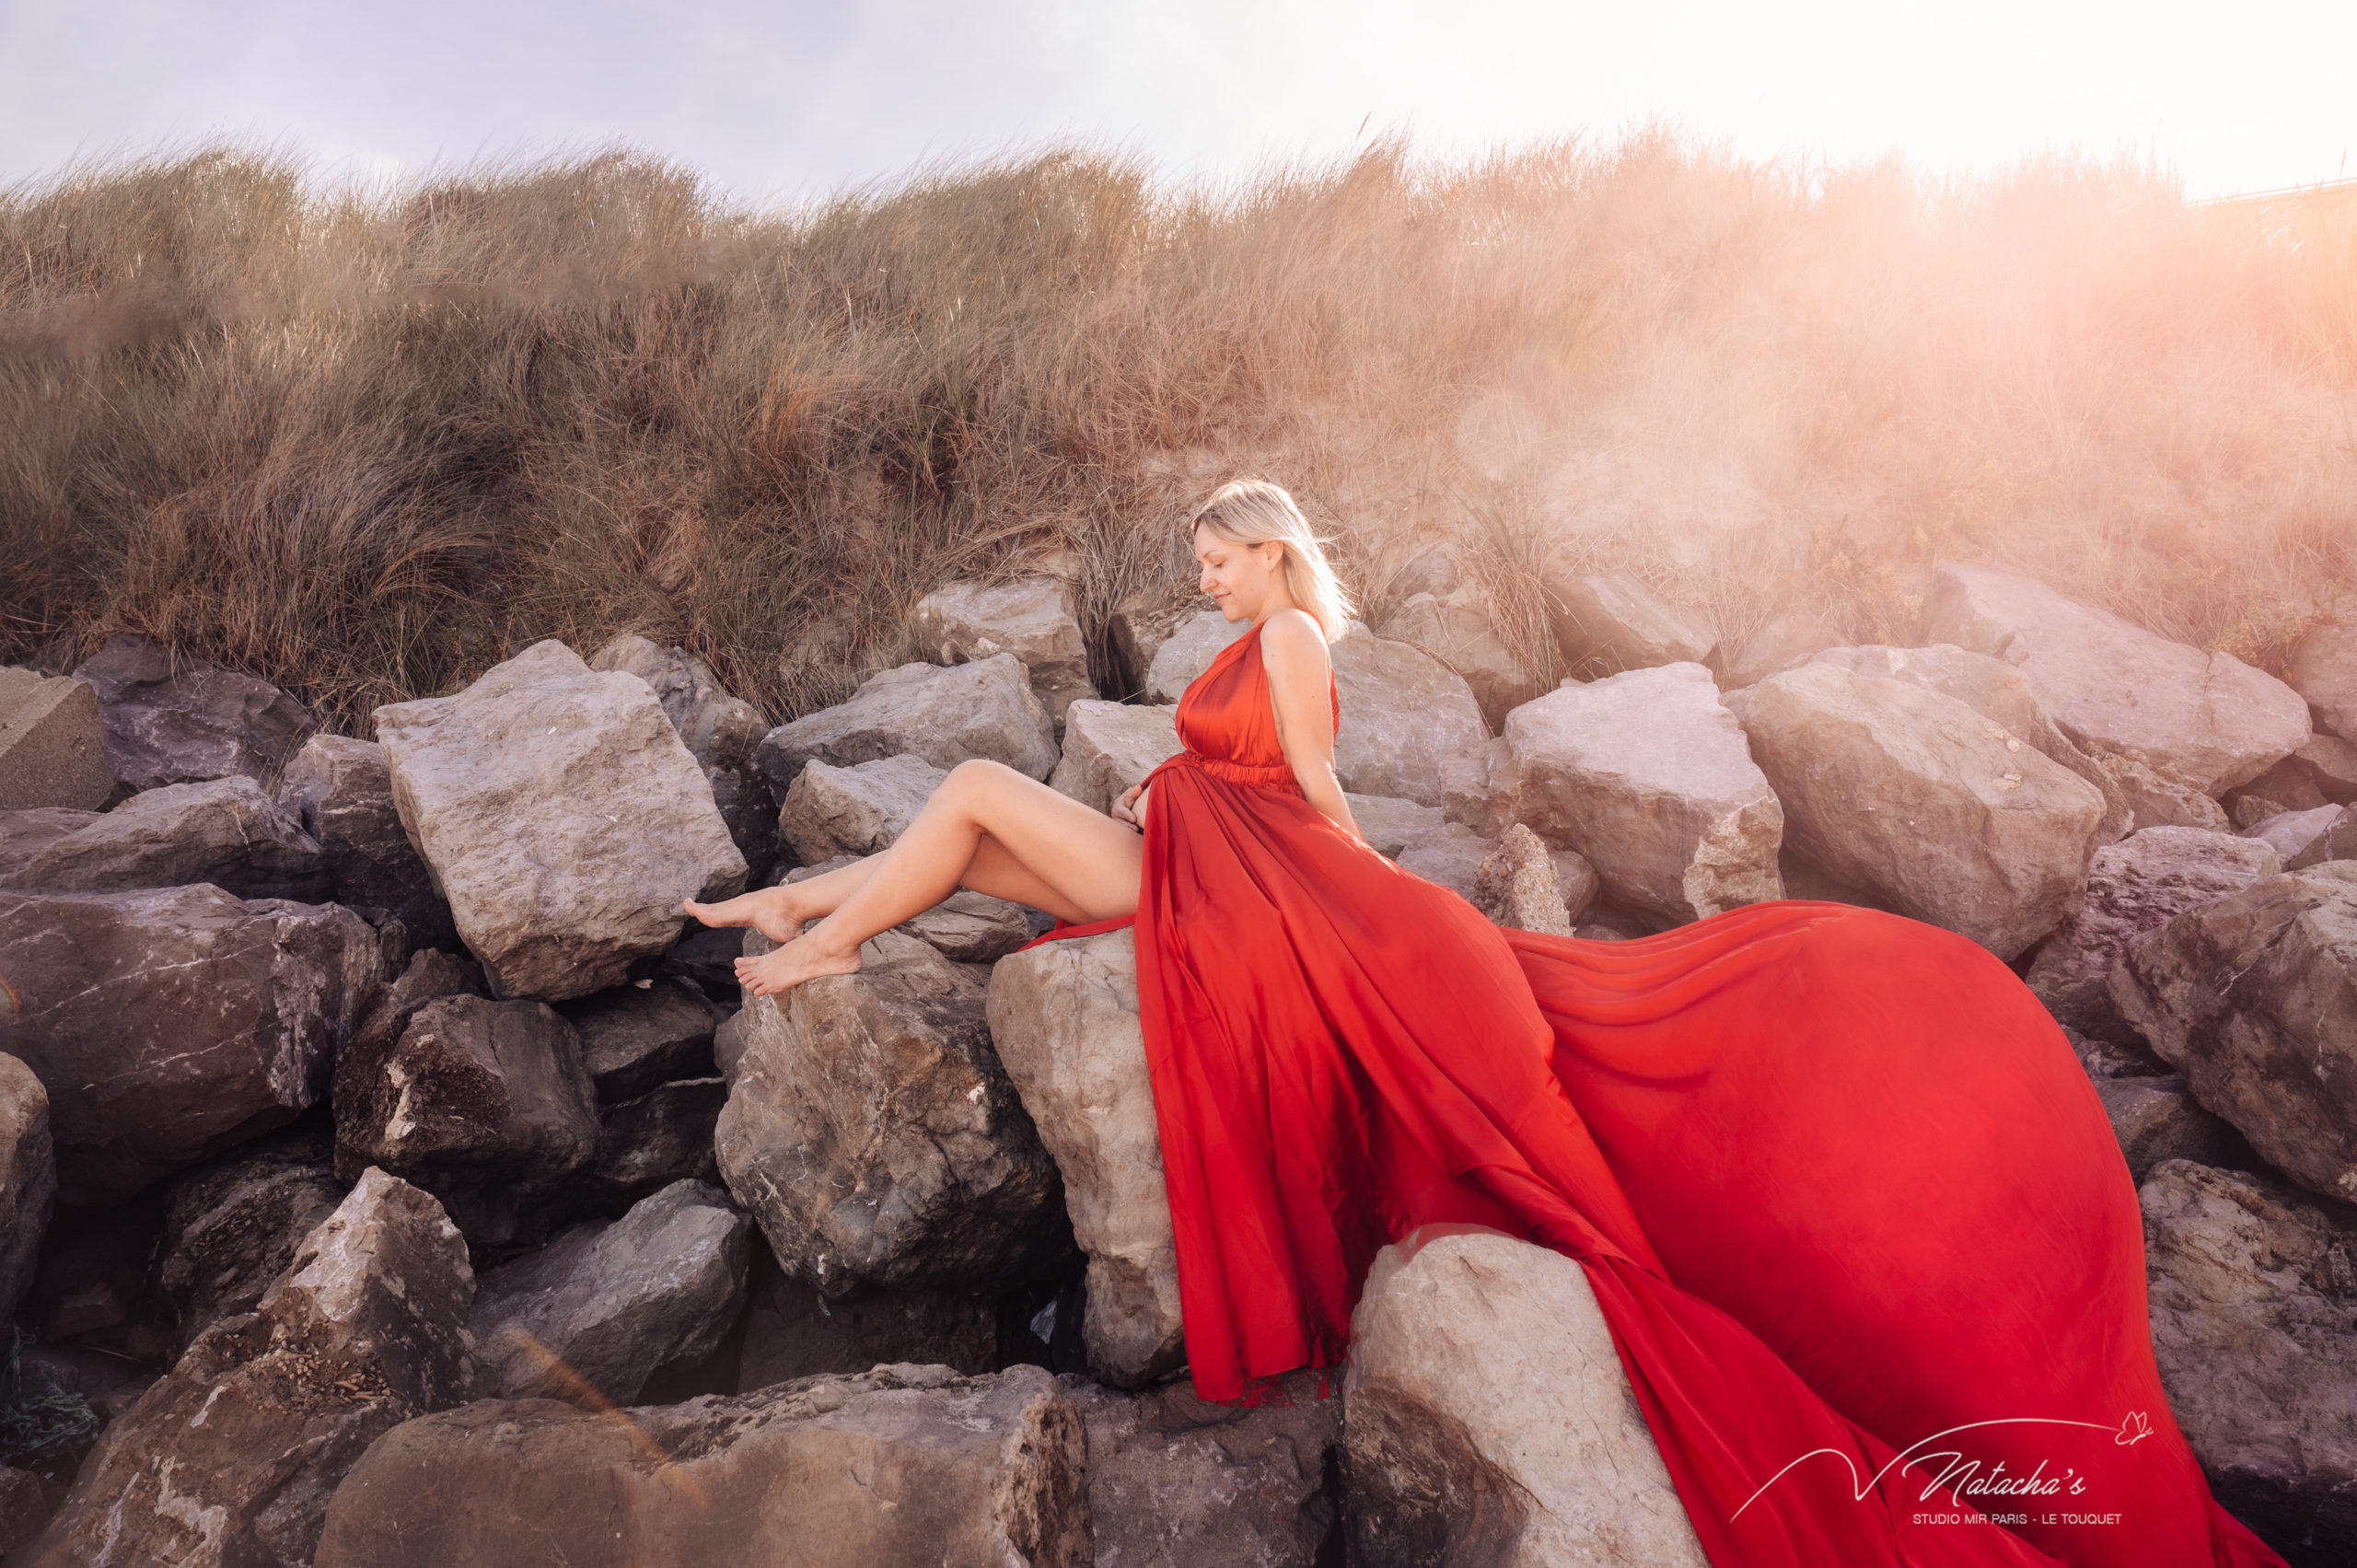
88	1282
2254	998
2156	1118
899	1465
233	1226
430	975
873	1133
793	1331
225	831
1174	1482
175	1023
986	708
108	1383
53	743
707	957
344	793
28	1180
483	1104
608	1307
634	1037
230	1458
172	719
25	1506
663	1136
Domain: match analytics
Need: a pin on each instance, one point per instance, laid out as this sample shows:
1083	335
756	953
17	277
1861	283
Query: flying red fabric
1843	1193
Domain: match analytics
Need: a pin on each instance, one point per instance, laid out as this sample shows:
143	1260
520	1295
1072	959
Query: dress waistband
1266	775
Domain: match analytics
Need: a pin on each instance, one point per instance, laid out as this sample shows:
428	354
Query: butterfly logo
2134	1430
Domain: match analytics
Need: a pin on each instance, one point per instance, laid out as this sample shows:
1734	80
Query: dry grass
366	443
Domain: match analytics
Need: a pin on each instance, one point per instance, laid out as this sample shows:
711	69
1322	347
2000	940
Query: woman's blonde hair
1253	511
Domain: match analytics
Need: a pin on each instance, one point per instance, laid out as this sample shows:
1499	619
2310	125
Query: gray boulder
53	743
173	1022
1403	711
2157	1118
562	816
2291	834
484	1104
982	709
232	1456
1487	1418
856	810
720	731
1391	825
1611	621
1998	692
873	1133
637	1036
1110	745
902	1464
1174	1482
1030	618
1648	776
2254	998
1456	628
2332	764
608	1307
1928	807
1477	787
1064	1018
2252	1286
2207	718
1520	884
2337	839
429	975
2323	670
342	792
173	719
1450	857
1188	651
2137	885
663	1136
27	1179
233	1225
2156	798
225	831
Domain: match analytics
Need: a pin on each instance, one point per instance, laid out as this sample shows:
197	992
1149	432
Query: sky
782	102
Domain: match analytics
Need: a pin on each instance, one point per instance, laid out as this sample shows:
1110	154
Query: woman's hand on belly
1130	807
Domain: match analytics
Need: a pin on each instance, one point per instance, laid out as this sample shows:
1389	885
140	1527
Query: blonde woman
1854	1215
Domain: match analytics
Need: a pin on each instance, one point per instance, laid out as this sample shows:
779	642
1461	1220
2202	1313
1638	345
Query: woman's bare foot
782	968
769	911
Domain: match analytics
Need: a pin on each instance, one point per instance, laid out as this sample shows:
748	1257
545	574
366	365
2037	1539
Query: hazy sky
787	100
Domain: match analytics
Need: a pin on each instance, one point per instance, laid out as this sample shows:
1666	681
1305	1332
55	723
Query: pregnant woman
1870	1254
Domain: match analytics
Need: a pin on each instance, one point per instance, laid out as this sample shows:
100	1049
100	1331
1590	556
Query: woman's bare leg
1075	863
780	913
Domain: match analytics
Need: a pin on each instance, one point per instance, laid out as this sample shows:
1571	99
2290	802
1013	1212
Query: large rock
2254	998
2156	1119
635	1036
982	709
225	831
53	743
2336	840
342	792
1647	776
1188	652
173	1022
1110	745
663	1136
2207	718
902	1464
1174	1482
857	811
793	1331
2253	1289
719	730
1451	857
1997	690
1403	711
231	1458
1390	825
562	816
609	1306
28	1178
2291	834
172	719
2156	798
1911	796
1456	629
484	1104
233	1225
1487	1419
2137	885
1520	884
1030	618
2323	670
873	1133
1616	623
1064	1018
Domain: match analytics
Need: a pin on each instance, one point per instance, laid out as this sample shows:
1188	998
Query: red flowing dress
1839	1185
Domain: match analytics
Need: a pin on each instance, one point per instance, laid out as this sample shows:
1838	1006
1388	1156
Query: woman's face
1239	577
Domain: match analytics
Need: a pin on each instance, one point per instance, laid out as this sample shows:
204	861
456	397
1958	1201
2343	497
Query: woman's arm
1294	653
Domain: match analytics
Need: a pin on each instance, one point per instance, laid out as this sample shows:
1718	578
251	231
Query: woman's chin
1228	610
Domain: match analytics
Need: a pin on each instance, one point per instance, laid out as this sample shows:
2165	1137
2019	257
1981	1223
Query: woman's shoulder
1294	634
